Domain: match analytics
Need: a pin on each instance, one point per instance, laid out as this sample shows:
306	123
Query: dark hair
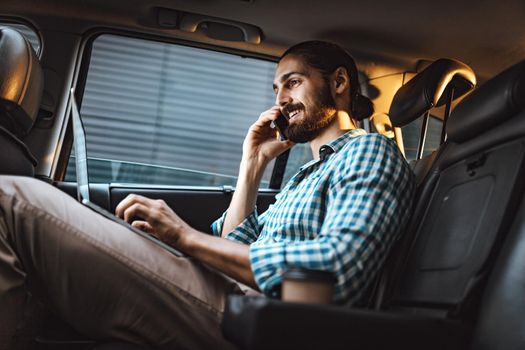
327	57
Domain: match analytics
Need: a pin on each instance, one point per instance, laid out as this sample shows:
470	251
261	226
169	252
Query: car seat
21	86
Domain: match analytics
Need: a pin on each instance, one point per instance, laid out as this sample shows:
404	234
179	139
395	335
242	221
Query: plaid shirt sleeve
246	232
368	204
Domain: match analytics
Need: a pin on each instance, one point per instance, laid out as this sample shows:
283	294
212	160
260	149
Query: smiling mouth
291	110
292	114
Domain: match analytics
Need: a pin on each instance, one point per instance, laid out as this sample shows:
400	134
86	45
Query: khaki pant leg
102	278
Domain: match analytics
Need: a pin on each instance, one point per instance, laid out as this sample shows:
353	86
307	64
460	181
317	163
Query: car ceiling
488	35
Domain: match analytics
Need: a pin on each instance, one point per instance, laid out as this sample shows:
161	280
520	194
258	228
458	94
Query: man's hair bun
361	107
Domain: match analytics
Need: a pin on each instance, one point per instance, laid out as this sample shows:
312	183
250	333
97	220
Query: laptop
79	135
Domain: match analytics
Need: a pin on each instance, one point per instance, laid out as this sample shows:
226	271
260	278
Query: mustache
288	108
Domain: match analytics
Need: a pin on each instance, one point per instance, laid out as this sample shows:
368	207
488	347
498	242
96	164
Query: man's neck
341	125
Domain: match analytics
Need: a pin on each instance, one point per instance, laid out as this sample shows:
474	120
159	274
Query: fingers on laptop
144	226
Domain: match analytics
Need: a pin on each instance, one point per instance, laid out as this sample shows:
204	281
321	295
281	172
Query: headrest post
448	107
422	138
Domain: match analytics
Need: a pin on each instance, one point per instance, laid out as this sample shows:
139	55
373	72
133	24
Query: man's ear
340	81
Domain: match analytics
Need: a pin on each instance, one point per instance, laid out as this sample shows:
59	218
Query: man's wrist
251	170
188	239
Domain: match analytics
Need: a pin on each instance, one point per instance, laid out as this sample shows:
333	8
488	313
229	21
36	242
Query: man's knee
13	184
27	189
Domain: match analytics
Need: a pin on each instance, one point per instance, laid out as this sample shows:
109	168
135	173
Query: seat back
467	213
21	86
501	318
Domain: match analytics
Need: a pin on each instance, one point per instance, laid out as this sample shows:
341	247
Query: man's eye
293	83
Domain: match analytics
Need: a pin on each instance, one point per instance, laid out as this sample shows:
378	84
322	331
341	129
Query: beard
316	117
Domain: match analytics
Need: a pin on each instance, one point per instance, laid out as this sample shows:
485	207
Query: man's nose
282	98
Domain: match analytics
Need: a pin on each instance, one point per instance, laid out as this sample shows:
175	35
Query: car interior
167	90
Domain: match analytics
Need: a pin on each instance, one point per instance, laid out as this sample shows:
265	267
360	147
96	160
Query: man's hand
261	142
260	146
159	220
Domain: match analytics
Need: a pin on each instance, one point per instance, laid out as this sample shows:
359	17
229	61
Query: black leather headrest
21	82
499	99
427	90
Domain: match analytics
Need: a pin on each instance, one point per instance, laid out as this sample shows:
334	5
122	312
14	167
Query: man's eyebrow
288	75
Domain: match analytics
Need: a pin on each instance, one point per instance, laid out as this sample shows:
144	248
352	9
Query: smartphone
281	123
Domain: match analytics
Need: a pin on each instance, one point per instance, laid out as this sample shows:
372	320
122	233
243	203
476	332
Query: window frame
80	78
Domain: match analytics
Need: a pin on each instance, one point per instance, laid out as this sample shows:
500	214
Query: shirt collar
338	143
334	146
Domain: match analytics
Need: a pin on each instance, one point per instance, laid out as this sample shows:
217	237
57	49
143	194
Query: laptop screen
83	179
80	152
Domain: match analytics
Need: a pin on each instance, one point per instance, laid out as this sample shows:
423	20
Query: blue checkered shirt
340	213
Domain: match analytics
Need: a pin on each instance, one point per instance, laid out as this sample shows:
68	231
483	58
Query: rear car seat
478	187
465	220
21	86
440	83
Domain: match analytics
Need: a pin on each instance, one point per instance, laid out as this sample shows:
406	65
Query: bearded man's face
305	98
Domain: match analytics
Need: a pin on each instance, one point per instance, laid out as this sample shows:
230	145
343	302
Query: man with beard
340	213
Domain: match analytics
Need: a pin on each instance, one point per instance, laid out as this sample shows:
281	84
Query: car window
412	133
162	113
27	32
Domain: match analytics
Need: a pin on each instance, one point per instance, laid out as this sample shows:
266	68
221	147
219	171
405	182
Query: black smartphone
281	123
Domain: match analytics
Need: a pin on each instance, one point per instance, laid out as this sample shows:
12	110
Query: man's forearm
245	195
231	258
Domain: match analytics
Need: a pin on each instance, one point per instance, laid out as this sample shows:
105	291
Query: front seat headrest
496	101
427	90
21	82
